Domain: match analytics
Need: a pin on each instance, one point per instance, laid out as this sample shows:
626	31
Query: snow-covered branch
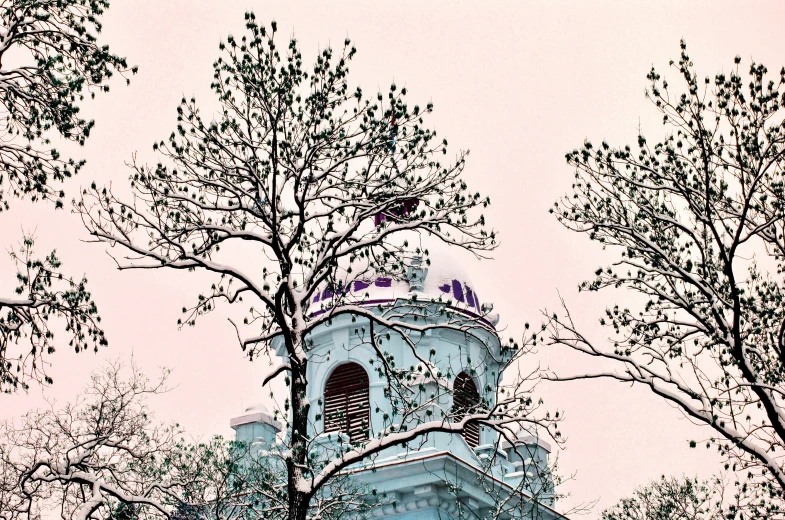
686	216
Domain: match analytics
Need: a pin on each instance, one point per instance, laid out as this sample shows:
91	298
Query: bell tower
452	370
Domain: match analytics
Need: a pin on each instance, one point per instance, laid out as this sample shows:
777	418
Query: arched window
465	400
347	403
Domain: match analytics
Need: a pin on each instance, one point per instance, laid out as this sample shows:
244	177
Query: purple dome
444	281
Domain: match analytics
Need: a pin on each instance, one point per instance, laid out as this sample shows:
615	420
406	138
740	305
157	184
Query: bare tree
57	60
670	498
684	498
301	186
87	455
697	223
105	456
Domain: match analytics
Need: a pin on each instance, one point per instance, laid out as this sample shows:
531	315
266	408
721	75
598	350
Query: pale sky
518	83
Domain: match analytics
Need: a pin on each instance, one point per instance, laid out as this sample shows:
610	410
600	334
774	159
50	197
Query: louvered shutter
465	399
347	403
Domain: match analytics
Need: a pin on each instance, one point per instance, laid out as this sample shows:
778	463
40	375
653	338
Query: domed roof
258	407
255	413
444	280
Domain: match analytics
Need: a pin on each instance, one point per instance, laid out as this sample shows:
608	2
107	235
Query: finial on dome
416	273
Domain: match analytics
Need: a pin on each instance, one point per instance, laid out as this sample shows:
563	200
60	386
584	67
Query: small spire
416	274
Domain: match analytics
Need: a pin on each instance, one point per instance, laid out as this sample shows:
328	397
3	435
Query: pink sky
518	83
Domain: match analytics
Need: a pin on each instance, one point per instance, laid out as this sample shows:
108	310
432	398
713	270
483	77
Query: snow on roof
444	281
257	407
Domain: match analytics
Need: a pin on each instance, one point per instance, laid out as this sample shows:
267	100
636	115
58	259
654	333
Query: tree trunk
298	501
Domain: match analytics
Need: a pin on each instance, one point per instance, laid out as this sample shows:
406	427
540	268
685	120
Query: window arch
347	402
465	400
